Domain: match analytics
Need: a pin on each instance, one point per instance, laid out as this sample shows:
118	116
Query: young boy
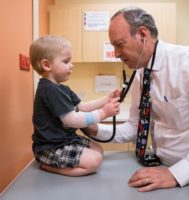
58	112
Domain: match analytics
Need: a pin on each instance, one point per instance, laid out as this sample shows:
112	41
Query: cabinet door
66	21
93	41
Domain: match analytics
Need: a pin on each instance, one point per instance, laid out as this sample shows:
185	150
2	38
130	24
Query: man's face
128	48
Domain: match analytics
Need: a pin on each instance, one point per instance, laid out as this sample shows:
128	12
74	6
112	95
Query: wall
182	22
44	16
16	90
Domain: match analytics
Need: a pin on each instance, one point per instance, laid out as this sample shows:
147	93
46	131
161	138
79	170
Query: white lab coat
170	110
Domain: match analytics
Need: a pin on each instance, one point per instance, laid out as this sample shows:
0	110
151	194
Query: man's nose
117	53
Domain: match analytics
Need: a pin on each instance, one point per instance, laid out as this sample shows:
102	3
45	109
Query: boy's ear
45	65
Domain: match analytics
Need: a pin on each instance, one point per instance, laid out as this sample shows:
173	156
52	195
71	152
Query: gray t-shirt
51	101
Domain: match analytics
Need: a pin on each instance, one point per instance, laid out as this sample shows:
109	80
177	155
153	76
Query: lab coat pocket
174	112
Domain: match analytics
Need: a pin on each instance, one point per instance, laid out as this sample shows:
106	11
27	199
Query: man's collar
158	59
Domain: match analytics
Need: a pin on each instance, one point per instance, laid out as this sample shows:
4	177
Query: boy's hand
114	94
111	108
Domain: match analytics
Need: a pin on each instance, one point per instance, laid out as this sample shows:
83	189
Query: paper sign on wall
105	83
109	53
96	21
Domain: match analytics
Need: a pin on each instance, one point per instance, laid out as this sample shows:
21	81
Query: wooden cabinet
93	41
87	46
66	21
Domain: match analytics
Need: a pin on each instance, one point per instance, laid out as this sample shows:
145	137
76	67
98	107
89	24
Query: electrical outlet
24	62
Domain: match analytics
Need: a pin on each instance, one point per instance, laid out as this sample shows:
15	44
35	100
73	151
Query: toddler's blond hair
46	47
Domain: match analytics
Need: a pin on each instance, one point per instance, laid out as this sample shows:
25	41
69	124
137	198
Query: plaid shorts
67	156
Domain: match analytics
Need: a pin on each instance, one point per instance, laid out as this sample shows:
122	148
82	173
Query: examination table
109	183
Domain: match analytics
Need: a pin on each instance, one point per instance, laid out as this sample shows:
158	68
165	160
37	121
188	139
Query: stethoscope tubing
125	88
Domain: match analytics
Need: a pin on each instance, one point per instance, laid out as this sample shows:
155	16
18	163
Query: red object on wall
24	62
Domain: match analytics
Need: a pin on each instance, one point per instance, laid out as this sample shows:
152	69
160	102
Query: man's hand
152	178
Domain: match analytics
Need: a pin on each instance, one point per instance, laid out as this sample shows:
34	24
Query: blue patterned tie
144	121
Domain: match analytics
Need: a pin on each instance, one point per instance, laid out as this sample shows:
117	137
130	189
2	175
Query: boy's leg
96	147
89	158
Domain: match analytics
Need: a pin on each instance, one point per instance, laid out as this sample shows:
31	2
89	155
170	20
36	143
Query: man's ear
45	65
142	34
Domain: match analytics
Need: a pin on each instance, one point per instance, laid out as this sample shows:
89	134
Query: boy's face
61	66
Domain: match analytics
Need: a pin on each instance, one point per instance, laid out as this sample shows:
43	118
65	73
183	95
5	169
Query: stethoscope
125	88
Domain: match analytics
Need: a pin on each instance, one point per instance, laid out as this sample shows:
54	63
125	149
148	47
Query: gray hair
46	47
137	17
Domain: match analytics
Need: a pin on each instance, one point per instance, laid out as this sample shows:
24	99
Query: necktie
144	121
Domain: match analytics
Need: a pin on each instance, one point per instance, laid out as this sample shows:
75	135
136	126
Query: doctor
133	34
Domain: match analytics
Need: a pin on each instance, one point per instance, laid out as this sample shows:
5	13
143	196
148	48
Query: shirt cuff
180	172
104	131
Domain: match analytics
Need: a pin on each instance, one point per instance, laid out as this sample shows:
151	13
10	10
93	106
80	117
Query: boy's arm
97	104
83	119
